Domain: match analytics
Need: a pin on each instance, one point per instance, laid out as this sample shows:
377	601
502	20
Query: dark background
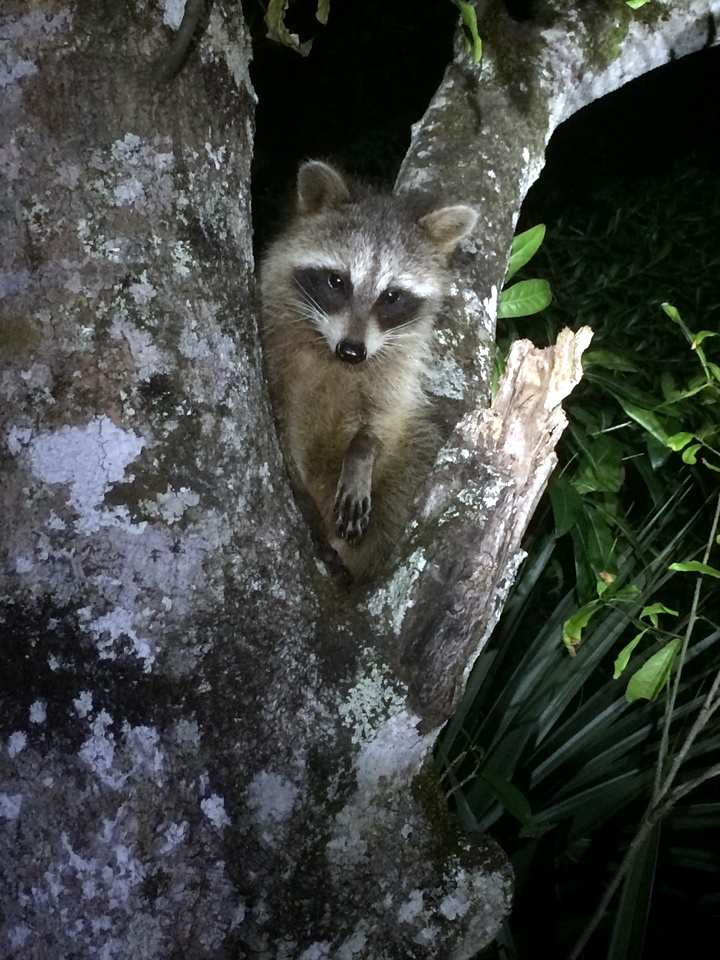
375	66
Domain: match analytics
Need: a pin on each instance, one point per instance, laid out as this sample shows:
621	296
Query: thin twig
708	708
672	698
685	788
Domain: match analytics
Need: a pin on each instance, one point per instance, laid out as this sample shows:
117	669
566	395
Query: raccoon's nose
351	351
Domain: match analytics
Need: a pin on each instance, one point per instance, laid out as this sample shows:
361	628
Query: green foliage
558	750
673	421
527	297
693	403
509	796
641	405
607	596
649	680
694	566
524	247
470	29
523	299
623	658
557	753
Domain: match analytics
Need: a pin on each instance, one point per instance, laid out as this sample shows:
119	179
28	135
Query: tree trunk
207	750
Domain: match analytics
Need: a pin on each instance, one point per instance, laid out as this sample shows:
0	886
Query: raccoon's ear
320	185
448	226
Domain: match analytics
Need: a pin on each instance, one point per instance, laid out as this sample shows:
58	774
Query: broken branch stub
496	466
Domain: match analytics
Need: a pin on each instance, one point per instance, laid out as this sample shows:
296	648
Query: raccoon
349	295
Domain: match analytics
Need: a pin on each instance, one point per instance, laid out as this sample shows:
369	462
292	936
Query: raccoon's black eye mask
395	307
332	291
327	289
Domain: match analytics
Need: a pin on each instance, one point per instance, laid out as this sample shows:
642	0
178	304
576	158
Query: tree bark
207	750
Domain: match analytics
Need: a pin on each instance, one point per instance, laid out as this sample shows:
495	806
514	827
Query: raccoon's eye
324	289
394	308
390	297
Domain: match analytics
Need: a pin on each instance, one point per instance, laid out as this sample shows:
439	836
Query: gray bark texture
207	750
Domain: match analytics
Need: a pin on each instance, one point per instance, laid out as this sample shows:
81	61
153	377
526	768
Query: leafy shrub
547	750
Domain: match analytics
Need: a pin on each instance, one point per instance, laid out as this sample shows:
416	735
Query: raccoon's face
367	282
362	271
361	315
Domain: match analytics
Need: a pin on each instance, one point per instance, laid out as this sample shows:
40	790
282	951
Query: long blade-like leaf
632	913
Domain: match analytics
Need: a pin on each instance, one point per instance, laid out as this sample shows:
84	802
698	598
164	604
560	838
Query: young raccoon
350	291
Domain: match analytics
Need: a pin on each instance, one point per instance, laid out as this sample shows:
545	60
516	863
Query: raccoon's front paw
352	513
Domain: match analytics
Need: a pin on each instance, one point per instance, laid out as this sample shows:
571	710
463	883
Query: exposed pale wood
507	453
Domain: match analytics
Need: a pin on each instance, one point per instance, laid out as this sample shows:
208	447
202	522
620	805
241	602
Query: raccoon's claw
352	514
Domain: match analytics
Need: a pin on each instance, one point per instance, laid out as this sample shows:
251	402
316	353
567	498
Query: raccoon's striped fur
350	291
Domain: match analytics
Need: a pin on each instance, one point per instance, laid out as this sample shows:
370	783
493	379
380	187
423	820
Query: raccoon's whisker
298	313
311	310
306	297
391	331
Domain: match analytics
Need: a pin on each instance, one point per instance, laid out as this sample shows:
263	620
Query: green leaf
654	609
524	247
567	505
692	391
636	4
627	593
689	455
600	466
608	361
606	581
694	566
652	676
574	625
714	369
622	659
702	335
593	542
679	440
672	312
646	418
523	299
509	796
668	386
470	28
658	453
